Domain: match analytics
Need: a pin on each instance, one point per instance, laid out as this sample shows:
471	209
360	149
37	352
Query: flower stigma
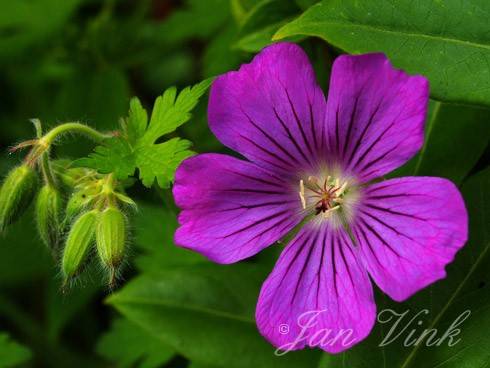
328	197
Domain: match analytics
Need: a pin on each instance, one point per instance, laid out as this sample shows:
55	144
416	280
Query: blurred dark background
82	60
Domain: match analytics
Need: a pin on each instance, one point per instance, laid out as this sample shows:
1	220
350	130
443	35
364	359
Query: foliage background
84	59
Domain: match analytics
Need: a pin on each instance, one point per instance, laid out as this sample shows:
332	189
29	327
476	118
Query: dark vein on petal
341	250
386	225
363	133
369	197
380	238
373	144
271	139
298	122
305	266
276	156
368	244
319	269
379	158
290	135
258	222
254	206
247	190
260	180
377	188
297	251
334	266
393	212
351	124
277	223
337	136
312	125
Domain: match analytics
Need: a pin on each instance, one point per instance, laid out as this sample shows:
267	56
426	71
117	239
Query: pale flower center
329	197
325	197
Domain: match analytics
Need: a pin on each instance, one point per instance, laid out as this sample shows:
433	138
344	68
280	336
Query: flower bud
78	243
111	237
16	194
77	203
48	216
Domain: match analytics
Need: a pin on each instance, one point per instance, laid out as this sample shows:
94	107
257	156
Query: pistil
324	197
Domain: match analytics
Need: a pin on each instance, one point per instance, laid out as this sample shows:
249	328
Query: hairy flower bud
16	194
111	238
77	203
48	216
78	243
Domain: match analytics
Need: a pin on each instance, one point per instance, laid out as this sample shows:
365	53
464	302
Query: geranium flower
318	163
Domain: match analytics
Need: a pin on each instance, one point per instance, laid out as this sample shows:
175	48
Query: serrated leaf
159	161
171	110
129	345
136	148
137	121
115	155
11	353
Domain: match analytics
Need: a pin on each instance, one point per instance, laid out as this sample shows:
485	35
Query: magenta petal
271	110
409	229
375	115
231	209
318	295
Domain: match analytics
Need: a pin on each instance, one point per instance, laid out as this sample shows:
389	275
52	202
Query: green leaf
159	161
198	365
170	111
219	57
466	288
11	353
262	22
137	121
130	346
26	23
206	313
62	309
23	257
447	41
455	138
154	230
115	156
196	19
136	148
97	97
256	41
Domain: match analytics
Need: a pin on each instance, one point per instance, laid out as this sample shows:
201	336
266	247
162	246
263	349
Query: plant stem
46	170
73	127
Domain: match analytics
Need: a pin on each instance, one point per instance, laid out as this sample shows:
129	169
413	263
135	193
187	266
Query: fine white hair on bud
49	204
16	194
78	244
111	234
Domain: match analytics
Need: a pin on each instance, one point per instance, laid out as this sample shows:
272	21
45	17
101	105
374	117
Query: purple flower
316	162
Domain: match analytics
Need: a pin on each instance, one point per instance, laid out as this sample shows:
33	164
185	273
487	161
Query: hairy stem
46	170
73	127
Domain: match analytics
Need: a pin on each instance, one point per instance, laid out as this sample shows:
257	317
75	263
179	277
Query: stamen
322	197
302	194
328	212
342	188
